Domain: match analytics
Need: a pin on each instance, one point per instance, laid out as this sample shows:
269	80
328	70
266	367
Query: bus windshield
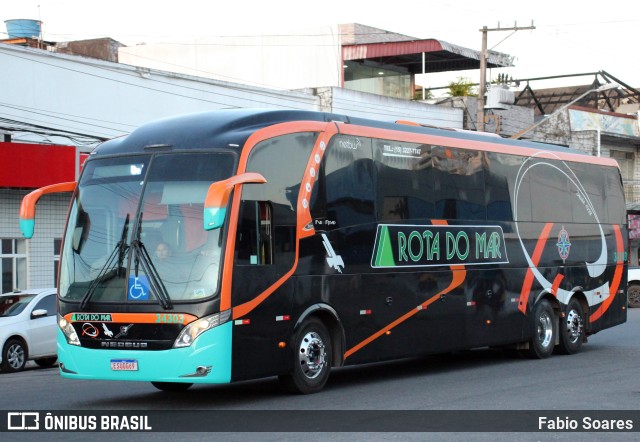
135	231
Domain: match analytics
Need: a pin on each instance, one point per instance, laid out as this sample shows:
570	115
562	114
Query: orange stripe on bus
243	309
617	278
556	284
486	146
535	259
459	275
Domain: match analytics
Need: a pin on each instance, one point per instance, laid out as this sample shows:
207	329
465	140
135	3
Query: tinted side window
615	196
500	177
255	234
266	234
347	183
550	192
282	161
405	187
590	178
459	183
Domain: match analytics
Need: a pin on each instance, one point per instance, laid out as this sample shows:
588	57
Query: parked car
28	328
633	288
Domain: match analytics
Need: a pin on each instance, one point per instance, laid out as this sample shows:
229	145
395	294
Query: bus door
265	252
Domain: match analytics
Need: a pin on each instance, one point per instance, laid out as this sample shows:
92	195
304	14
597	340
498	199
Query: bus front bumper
206	361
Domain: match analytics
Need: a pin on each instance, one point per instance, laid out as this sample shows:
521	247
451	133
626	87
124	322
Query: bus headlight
68	331
199	326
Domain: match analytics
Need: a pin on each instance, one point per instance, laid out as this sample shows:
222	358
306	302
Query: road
603	376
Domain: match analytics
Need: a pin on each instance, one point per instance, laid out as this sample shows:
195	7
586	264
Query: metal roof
545	101
364	43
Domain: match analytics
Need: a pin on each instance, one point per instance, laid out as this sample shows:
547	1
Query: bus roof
231	127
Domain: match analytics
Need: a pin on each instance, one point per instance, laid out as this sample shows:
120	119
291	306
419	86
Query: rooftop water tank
23	28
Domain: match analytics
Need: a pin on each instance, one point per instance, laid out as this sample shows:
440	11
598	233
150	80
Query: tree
418	95
462	87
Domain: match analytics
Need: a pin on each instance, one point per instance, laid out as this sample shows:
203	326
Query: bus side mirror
217	199
28	205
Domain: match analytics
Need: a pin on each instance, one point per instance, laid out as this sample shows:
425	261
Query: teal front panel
211	349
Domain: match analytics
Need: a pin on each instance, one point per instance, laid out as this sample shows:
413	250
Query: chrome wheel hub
312	355
574	325
545	329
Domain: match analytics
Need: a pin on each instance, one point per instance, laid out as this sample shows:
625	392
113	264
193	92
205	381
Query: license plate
124	365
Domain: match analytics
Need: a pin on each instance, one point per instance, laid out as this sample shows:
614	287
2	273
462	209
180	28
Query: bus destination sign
402	245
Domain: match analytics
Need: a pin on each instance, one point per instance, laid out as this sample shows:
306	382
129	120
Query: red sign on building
37	165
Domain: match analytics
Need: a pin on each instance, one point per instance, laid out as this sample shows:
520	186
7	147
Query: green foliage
462	87
418	94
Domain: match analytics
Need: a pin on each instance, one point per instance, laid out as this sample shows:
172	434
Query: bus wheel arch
331	320
314	347
573	324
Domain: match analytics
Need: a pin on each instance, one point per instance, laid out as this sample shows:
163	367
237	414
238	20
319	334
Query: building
348	56
24	166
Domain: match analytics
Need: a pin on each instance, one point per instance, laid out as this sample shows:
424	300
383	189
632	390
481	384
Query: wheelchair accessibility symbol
138	288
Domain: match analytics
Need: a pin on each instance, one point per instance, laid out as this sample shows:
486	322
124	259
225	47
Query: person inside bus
163	251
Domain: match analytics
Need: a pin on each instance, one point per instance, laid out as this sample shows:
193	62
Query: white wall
292	61
377	107
108	99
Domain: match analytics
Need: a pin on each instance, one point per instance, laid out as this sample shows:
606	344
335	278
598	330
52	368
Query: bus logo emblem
563	244
89	330
334	261
107	332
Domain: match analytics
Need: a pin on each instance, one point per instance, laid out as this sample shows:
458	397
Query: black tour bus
302	241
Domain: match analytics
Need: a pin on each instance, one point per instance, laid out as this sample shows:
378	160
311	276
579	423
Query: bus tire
572	328
172	386
633	294
311	359
544	331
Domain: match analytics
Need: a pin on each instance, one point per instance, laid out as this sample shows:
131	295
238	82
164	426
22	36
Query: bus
240	244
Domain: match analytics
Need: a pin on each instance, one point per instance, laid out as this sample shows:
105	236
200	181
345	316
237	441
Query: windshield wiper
108	270
155	281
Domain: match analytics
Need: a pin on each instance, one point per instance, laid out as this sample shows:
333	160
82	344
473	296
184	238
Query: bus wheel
171	386
633	294
544	331
311	359
572	328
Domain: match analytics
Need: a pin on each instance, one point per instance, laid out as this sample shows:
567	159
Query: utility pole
483	67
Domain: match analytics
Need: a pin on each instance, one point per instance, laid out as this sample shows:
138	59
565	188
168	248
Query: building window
13	264
57	246
625	160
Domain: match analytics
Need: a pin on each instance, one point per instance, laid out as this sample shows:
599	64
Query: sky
570	37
